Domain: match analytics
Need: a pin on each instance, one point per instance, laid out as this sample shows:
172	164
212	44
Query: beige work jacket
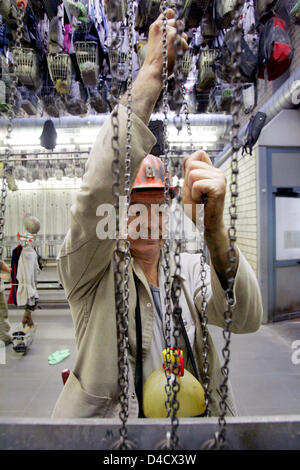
86	272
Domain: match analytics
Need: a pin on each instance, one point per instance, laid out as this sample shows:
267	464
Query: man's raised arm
84	255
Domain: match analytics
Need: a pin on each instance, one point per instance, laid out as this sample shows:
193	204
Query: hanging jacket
16	253
28	270
86	272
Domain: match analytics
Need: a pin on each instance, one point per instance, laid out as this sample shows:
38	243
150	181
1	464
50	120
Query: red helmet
151	175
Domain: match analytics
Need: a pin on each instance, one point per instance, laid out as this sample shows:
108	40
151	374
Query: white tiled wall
246	224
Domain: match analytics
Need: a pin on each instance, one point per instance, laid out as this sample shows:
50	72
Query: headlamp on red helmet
151	176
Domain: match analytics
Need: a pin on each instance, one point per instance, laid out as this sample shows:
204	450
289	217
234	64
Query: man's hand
202	178
27	319
149	81
154	56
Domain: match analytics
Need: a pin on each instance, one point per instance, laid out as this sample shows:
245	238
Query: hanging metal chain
11	112
127	175
121	260
231	254
203	288
187	118
178	67
166	249
172	384
204	322
177	310
203	274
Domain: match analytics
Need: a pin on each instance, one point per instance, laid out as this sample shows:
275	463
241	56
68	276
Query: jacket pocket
75	402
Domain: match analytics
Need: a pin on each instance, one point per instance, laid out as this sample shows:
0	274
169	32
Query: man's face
145	222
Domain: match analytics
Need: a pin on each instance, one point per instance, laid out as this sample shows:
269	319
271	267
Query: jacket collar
140	274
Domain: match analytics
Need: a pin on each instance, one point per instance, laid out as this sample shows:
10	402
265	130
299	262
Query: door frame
266	221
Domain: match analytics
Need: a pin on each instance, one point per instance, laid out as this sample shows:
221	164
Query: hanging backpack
275	49
222	64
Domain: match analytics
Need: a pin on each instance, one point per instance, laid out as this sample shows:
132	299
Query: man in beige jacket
86	270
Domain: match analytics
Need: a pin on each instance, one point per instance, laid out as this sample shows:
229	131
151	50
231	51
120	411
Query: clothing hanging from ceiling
28	269
16	253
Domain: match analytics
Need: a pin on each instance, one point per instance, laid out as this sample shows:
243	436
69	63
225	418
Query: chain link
231	254
122	260
11	114
187	119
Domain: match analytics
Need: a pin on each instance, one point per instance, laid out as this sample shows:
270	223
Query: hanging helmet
190	396
151	175
31	224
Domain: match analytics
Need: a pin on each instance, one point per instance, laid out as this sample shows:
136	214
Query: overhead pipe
286	97
221	121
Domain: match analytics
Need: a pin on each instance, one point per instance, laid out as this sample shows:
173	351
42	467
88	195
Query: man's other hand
201	178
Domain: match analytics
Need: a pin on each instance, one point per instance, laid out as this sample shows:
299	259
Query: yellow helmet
190	396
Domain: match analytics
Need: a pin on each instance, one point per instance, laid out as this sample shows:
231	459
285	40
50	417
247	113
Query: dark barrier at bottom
242	433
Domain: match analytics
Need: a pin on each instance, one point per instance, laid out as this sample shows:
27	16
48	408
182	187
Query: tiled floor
29	386
264	379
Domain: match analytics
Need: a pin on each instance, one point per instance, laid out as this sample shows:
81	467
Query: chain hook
215	443
168	444
122	444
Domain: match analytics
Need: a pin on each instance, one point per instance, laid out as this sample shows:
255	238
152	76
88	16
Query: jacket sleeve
247	308
84	257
